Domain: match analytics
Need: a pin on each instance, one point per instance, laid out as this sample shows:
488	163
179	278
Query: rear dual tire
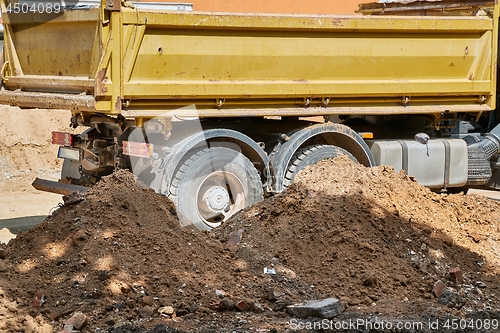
310	155
213	184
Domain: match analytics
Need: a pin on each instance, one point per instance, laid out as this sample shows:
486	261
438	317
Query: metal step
56	187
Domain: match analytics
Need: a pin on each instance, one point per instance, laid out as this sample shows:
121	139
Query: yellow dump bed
142	63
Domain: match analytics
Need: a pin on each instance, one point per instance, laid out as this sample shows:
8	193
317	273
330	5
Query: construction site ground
370	237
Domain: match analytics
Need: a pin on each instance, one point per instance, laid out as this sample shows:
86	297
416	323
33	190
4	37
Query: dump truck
219	110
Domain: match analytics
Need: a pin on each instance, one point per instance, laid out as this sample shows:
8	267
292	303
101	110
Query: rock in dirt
147	300
369	280
228	304
77	321
480	284
438	288
456	276
243	306
235	237
47	328
451	298
3	266
166	311
110	322
327	308
193	308
257	307
73	198
146	311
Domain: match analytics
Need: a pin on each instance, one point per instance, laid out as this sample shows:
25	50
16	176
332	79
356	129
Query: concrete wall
278	6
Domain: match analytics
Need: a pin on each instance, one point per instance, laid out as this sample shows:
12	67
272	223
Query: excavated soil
376	239
373	238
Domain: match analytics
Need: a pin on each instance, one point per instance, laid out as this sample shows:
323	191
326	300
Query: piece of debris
73	198
38	300
243	306
257	307
270	271
369	280
146	311
273	295
480	284
216	304
451	298
166	311
77	321
220	293
235	237
327	308
63	313
438	288
456	276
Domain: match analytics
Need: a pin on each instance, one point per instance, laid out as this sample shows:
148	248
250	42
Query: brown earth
373	238
120	251
377	239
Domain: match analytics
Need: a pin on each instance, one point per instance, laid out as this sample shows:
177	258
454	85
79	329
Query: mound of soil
373	238
118	254
376	239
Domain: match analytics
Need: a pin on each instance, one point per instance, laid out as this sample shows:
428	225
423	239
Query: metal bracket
437	121
3	71
220	102
113	5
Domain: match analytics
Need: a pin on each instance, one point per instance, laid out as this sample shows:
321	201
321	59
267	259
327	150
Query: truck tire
311	155
213	184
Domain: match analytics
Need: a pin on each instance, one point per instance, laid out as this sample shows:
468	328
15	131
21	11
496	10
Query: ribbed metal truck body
141	63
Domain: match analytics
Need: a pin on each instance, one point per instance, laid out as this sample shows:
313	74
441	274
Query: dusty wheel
311	155
213	184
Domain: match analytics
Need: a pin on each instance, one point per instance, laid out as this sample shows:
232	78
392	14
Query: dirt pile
119	255
371	237
376	239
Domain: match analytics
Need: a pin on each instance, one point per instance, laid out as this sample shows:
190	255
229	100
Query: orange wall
278	6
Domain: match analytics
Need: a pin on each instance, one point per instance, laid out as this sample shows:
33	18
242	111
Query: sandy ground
22	207
26	153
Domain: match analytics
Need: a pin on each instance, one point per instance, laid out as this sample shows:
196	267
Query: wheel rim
220	195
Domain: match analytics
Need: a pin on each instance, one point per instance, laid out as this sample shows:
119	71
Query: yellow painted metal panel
302	112
298	57
169	59
262	89
53	55
229	21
